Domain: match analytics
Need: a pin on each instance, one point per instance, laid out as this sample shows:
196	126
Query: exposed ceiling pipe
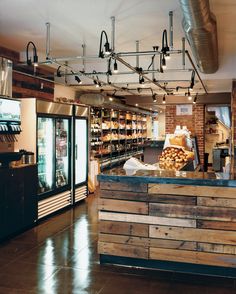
104	101
137	56
113	33
171	30
200	28
183	53
48	41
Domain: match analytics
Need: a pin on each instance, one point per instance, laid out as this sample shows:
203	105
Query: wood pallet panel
147	242
216	248
123	205
216	225
193	257
193	212
173	199
190	234
184	190
141	188
124	228
123	250
217	202
124	195
146	219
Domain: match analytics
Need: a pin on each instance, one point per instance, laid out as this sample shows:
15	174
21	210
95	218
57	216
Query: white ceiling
74	23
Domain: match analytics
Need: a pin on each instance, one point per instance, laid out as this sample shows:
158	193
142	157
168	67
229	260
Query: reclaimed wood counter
184	221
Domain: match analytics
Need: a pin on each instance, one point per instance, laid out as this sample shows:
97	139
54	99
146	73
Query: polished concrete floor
60	256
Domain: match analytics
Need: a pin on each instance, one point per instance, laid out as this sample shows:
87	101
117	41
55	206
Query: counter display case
116	135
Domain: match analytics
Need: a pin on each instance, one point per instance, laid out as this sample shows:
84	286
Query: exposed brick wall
233	111
195	124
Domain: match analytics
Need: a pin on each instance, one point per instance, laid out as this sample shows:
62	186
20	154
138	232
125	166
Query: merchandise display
116	135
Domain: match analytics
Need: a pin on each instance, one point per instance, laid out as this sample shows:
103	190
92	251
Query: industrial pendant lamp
164	99
35	56
107	49
115	67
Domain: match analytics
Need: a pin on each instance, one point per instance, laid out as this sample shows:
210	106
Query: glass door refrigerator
53	156
80	170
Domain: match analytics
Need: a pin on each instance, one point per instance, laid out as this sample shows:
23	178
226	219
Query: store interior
122	86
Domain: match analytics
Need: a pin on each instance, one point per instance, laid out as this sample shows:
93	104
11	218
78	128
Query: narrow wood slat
139	187
217	225
123	206
216	248
124	195
173	199
212	201
146	219
193	257
192	212
122	250
122	228
185	190
190	234
147	242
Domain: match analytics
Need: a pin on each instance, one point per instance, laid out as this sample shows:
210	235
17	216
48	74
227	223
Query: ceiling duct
200	29
100	100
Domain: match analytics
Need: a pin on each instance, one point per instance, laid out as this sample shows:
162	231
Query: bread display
178	155
179	140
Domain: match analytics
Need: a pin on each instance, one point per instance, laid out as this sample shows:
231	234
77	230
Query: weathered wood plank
137	187
124	195
190	234
146	219
193	257
130	229
123	206
192	212
122	250
185	190
147	242
212	201
217	225
216	248
173	199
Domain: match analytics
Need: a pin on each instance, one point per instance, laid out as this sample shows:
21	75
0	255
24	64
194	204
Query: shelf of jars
116	136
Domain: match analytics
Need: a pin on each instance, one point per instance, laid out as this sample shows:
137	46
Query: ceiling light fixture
115	67
35	56
164	99
78	80
154	99
110	98
195	99
107	50
58	72
192	81
136	104
163	62
189	95
141	79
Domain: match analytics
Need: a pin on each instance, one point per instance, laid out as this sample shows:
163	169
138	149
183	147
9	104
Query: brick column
233	112
195	124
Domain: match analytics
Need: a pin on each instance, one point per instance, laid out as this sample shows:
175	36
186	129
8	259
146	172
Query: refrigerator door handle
76	154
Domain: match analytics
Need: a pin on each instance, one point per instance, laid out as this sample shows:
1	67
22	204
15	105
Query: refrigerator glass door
45	154
80	151
62	152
